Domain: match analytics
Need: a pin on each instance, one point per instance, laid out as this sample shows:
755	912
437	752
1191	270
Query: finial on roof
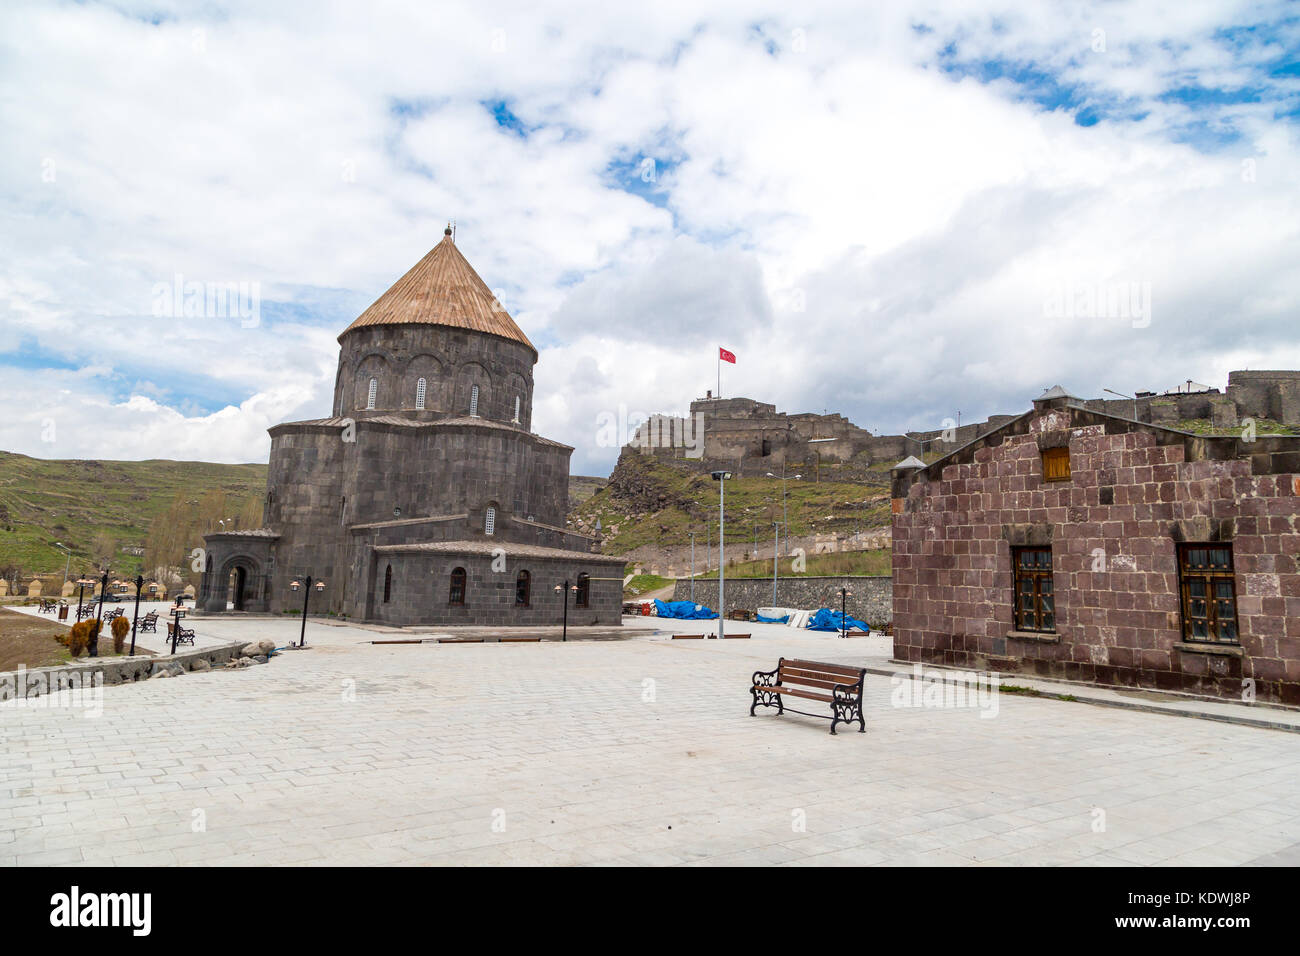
447	231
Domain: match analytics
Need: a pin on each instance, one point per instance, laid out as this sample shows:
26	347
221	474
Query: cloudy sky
892	211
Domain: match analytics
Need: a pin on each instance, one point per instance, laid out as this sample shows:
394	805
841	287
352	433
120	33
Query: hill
156	510
98	508
651	504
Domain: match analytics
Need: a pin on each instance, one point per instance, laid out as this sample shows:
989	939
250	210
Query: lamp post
178	612
692	567
135	618
566	587
67	564
844	611
721	478
306	596
785	501
776	534
93	646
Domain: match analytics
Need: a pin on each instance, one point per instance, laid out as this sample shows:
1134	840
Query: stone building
1074	543
425	498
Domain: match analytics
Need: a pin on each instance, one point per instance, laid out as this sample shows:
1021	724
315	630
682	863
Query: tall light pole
721	478
67	564
1131	397
776	531
692	567
566	587
306	596
785	500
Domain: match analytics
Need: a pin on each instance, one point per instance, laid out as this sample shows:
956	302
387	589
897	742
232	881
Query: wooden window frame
458	585
388	583
583	597
1053	460
1190	573
1033	620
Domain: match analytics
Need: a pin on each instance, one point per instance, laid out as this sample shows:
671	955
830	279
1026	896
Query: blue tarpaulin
785	619
684	610
828	620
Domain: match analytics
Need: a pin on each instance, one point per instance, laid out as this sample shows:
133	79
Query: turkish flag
727	356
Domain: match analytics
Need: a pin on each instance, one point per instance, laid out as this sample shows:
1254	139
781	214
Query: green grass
834	565
646	582
652	502
91	504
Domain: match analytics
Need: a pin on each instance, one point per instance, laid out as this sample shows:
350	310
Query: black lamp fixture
306	596
566	587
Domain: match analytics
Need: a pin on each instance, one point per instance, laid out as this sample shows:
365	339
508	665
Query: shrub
78	638
120	628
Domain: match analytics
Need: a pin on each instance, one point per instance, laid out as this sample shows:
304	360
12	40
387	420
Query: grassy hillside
97	508
878	561
653	502
100	507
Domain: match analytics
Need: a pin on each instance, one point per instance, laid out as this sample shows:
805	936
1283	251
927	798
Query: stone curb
904	667
117	670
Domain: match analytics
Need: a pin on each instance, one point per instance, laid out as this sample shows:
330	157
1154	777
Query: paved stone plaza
635	751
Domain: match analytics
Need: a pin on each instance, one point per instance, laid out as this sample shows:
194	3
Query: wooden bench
737	637
185	636
47	607
836	684
149	622
85	611
688	637
460	640
519	640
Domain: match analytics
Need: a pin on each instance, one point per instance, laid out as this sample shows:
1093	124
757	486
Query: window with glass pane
1035	597
583	597
1209	593
457	592
523	588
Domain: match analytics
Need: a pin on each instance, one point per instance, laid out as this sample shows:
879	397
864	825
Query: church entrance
236	587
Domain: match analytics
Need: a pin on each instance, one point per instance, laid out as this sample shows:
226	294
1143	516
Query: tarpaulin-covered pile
783	619
828	620
684	610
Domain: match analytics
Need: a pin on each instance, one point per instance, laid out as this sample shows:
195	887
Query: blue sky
868	205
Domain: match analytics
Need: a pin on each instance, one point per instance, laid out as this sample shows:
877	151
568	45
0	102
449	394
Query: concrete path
638	751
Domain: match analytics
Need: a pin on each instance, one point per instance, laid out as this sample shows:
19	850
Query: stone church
425	498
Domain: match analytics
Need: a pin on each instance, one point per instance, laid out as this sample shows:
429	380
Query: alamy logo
75	909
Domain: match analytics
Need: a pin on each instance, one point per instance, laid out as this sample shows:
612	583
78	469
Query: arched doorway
237	588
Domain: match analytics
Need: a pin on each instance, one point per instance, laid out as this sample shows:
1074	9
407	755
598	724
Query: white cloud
870	233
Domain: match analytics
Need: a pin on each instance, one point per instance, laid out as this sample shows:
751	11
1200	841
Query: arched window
490	521
523	589
517	409
473	401
583	598
421	387
457	592
388	583
371	392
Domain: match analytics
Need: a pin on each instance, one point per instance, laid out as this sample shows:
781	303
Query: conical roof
442	289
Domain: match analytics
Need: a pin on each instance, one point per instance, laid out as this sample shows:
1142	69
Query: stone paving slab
637	752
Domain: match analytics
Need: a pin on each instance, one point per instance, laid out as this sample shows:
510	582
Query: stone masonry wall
871	600
1131	498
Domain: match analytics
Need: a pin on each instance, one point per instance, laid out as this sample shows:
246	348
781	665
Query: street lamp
135	618
785	502
306	596
776	534
82	583
67	564
103	595
566	587
692	534
844	611
721	478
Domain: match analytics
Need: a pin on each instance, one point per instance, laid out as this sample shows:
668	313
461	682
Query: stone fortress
752	438
425	498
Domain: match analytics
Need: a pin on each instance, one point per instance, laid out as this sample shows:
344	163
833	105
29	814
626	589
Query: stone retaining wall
871	600
98	671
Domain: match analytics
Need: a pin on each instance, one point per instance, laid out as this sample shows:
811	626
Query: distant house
1073	543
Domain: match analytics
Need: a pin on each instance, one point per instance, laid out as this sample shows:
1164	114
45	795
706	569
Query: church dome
442	289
